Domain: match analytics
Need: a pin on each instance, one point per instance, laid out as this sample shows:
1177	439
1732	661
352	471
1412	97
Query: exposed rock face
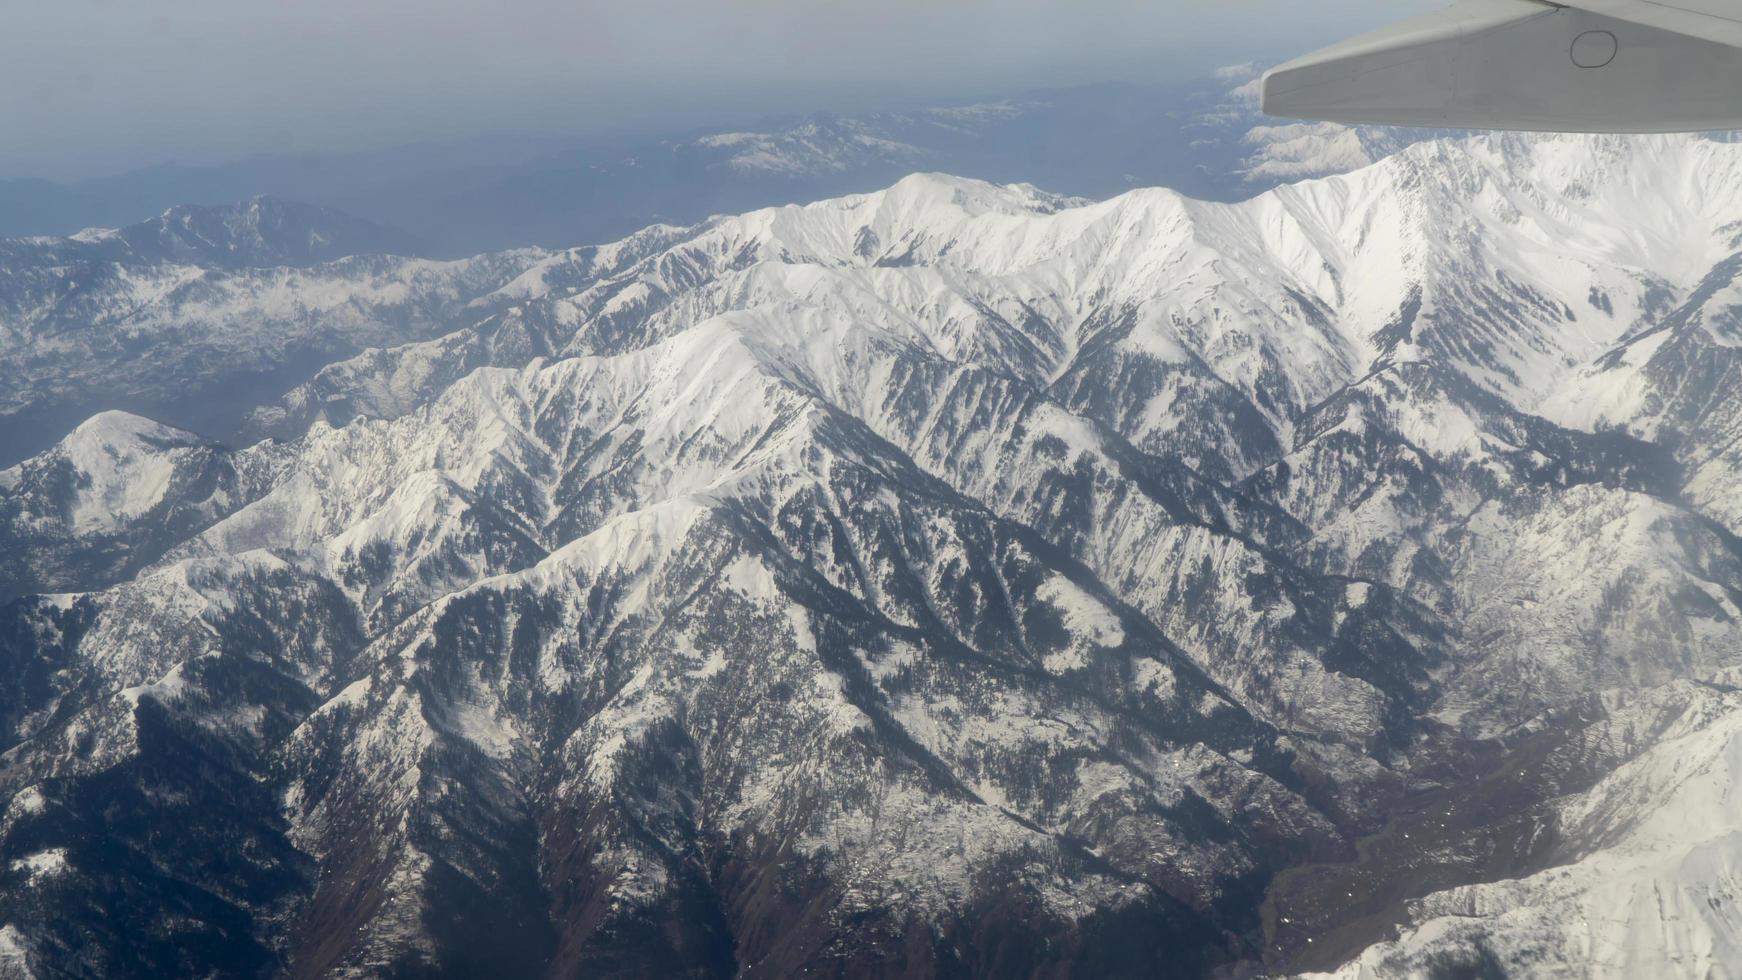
953	580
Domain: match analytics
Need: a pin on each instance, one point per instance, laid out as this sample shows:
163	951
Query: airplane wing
1610	66
1713	20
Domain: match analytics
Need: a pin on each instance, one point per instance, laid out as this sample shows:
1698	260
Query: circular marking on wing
1594	49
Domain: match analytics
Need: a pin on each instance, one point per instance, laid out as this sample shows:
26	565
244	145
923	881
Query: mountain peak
112	469
969	196
116	426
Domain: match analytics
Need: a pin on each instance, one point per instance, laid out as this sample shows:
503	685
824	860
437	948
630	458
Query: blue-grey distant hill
483	195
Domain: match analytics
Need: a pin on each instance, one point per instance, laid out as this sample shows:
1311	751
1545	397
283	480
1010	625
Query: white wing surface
1712	20
1530	65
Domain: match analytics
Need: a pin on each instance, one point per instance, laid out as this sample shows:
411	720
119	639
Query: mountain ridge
950	579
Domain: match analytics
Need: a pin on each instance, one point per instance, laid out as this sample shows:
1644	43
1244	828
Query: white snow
42	864
14	953
1083	614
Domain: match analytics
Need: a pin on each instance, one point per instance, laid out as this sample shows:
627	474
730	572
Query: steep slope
751	546
1641	881
1417	312
1673	379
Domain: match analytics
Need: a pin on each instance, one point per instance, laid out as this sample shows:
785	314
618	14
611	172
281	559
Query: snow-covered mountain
952	579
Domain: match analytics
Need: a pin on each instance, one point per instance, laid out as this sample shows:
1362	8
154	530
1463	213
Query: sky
89	87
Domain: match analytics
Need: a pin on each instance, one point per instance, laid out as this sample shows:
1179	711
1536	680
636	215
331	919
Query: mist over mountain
956	578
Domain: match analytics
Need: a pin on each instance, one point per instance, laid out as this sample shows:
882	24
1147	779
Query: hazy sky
94	86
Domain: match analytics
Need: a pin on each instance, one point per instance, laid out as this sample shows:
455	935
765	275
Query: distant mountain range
1203	138
201	313
955	579
173	316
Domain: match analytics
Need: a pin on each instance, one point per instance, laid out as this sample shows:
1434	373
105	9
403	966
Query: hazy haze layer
97	86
